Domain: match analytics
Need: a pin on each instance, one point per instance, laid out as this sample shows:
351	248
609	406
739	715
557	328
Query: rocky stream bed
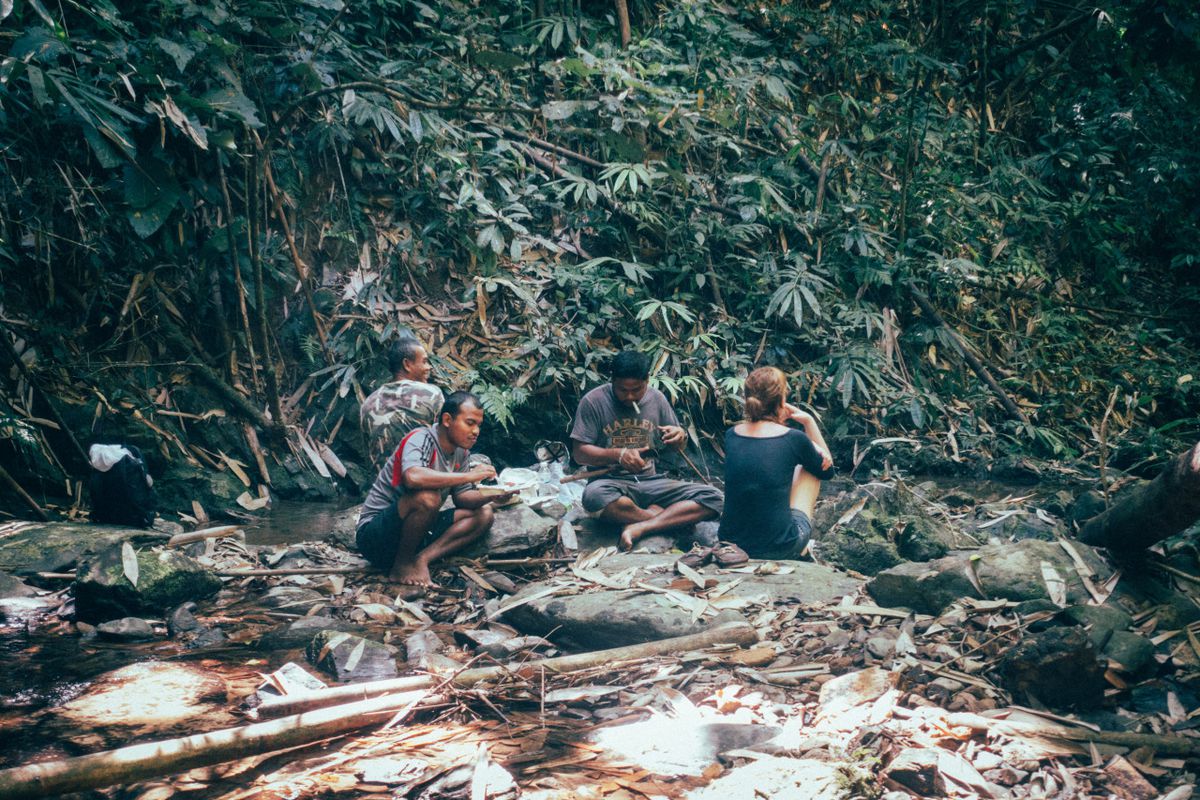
947	642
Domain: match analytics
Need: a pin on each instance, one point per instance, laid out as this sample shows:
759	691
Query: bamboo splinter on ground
138	762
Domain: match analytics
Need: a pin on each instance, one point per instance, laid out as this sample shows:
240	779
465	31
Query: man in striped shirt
401	527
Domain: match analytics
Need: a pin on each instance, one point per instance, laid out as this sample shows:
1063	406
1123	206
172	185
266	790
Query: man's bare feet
630	534
414	573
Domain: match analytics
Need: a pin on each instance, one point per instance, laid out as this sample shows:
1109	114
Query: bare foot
415	573
630	534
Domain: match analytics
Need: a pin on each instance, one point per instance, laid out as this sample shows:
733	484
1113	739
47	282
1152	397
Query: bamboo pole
741	633
199	536
152	759
37	510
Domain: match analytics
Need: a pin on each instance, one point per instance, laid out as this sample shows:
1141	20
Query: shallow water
293	521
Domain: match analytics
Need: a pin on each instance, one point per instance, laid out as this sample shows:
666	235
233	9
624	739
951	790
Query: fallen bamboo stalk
730	633
153	759
527	562
199	536
266	573
37	510
1161	744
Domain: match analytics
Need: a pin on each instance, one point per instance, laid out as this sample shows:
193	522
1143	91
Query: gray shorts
645	492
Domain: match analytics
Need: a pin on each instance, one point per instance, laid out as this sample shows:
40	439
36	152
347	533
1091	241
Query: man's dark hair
630	364
403	349
457	401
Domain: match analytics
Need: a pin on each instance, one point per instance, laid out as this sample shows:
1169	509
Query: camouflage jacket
393	410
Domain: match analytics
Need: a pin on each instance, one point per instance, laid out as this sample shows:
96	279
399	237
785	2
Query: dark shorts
379	538
801	536
646	492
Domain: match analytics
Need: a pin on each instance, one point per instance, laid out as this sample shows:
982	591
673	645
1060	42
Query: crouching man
401	527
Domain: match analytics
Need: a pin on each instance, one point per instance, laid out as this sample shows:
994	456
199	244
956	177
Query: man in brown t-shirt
615	426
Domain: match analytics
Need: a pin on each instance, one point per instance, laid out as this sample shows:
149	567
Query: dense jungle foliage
216	214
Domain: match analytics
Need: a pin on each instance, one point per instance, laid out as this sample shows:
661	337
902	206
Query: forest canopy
975	225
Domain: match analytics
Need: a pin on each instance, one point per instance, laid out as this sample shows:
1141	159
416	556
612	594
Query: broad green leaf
231	103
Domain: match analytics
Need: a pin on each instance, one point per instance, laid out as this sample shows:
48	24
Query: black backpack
124	495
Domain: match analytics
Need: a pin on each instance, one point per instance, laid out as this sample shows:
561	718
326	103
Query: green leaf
180	53
231	103
494	59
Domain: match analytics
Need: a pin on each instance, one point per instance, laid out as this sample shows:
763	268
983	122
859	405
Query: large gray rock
166	579
14	587
1057	668
591	616
126	629
1134	653
517	529
350	658
1012	571
60	546
877	526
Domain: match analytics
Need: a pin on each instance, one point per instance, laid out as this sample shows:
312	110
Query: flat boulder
59	546
11	586
606	607
1010	571
165	580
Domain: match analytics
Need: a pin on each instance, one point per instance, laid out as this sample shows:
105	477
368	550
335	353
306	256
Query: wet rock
182	620
1041	606
1012	571
1134	653
60	546
344	528
917	769
127	629
299	633
853	689
150	698
14	587
350	658
517	529
298	482
1058	668
166	578
874	527
881	647
292	599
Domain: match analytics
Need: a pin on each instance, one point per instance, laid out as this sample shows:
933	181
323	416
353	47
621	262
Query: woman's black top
758	485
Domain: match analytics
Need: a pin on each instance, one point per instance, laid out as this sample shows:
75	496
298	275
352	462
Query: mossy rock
874	527
166	578
60	546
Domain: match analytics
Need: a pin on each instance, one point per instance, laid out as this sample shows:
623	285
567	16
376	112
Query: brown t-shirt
600	420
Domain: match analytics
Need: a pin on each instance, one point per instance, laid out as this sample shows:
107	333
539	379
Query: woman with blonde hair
773	472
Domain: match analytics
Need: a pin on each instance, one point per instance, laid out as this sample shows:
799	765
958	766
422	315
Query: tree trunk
1152	512
623	22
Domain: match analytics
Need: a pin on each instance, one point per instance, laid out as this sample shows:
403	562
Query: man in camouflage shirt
405	403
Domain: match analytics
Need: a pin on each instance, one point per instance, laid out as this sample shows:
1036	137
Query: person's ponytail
765	389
